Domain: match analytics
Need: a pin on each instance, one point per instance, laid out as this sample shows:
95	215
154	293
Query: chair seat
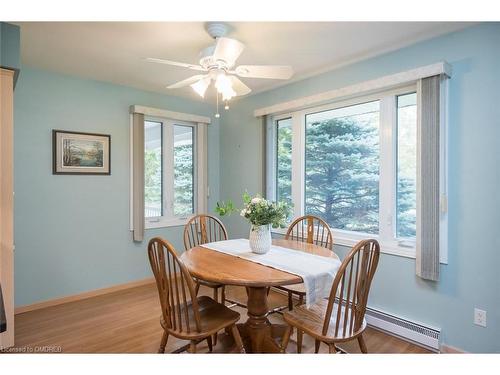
310	320
208	283
213	317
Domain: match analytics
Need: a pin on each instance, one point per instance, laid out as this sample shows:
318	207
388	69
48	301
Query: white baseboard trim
80	296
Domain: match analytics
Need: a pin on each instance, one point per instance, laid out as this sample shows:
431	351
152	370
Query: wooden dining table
258	334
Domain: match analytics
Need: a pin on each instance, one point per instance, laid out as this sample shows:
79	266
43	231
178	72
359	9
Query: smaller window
169	171
406	205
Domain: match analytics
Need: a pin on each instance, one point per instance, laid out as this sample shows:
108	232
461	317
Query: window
406	196
153	171
284	160
169	171
352	163
342	166
183	170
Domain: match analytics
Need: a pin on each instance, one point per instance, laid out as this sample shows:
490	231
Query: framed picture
80	153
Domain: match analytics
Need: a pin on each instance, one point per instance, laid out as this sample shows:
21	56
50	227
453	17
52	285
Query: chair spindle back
349	293
203	229
175	285
310	229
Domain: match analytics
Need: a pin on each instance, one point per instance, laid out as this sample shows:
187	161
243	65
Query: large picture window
352	163
342	166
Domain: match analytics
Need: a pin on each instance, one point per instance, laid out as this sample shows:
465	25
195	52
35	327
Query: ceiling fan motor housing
208	62
216	29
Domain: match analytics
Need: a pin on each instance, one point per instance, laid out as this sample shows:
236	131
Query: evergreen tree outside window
284	160
342	167
183	170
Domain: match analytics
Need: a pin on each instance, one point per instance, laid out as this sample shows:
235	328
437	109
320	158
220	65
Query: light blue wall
72	232
472	276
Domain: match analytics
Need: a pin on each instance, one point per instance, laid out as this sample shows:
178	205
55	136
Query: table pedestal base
262	340
257	333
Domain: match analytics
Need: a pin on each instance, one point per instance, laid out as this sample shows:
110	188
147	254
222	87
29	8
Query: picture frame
75	153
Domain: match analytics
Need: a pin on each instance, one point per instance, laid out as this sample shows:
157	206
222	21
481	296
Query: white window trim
362	88
199	124
388	244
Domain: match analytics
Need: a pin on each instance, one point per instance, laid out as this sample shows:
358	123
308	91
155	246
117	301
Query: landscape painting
81	153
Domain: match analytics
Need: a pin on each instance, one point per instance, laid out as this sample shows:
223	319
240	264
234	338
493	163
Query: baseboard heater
416	333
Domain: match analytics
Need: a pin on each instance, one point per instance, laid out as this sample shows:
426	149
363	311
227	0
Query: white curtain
428	190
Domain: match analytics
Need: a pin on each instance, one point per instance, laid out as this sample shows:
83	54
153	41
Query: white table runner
317	271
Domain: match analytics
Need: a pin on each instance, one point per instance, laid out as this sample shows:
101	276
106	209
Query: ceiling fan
217	62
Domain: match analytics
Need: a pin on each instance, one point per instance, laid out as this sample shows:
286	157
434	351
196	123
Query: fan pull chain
217	115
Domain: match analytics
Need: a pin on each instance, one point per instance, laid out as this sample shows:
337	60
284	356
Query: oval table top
217	267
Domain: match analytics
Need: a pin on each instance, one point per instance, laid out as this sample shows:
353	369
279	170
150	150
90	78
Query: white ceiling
115	51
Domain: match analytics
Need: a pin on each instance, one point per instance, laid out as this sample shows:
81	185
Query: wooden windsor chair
342	317
184	315
310	229
199	230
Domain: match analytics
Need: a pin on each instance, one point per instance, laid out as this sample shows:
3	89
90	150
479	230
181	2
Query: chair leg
316	346
286	338
362	344
163	342
196	288
299	341
332	349
216	298
209	342
223	295
290	301
237	339
192	347
301	300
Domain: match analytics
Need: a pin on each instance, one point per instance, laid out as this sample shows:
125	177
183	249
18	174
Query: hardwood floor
127	321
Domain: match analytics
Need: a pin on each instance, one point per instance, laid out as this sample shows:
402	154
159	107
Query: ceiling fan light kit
217	61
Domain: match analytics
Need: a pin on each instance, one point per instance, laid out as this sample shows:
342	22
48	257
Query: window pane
342	167
407	166
284	160
183	170
153	169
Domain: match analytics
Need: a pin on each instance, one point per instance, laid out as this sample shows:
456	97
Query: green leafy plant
225	208
258	211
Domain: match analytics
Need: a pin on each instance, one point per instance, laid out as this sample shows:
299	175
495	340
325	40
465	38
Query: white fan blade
187	81
239	87
174	63
228	50
265	71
